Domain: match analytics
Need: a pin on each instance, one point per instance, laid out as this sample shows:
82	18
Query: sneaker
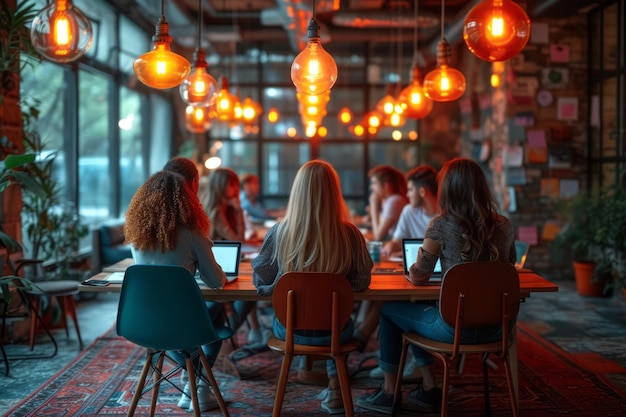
412	373
206	399
378	401
422	400
333	402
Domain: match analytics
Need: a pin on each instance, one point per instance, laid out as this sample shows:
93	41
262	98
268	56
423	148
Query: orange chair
313	301
473	295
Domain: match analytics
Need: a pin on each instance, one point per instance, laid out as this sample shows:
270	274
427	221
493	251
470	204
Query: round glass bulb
414	101
496	30
444	84
345	115
199	88
61	32
198	118
161	68
314	70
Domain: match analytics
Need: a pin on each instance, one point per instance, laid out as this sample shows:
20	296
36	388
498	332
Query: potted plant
595	233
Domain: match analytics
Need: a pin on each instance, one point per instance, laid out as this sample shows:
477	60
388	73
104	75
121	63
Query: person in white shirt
413	221
422	207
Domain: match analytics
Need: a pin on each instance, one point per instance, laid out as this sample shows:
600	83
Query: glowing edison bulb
273	115
413	99
161	68
200	87
314	70
198	118
444	83
345	115
496	30
61	32
225	103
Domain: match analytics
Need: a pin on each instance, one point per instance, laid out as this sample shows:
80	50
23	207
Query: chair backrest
521	251
161	307
480	294
313	301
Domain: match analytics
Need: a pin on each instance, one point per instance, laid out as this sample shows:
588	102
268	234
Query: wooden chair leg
282	385
140	383
156	375
214	384
193	388
511	383
344	382
486	385
62	300
397	395
444	388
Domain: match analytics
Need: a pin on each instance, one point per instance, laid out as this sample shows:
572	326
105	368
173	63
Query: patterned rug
101	381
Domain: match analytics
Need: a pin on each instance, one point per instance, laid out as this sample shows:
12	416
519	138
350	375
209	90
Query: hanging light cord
442	19
199	24
415	27
162	7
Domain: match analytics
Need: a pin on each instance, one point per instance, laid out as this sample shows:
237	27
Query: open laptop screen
227	254
410	248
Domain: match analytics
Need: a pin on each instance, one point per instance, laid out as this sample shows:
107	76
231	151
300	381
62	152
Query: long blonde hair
315	235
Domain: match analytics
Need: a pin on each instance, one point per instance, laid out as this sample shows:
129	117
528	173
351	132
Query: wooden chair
473	295
313	301
161	308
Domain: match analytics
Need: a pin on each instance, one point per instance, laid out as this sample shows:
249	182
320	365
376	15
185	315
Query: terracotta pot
583	271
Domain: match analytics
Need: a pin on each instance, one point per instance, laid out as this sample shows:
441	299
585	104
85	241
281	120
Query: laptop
228	254
410	248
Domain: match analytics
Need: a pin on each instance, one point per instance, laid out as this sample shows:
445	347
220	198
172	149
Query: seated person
251	203
387	198
316	234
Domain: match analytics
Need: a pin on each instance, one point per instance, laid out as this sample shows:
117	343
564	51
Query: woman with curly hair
316	234
467	228
165	224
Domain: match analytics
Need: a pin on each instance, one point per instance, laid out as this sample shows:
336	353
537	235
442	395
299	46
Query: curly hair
160	206
185	167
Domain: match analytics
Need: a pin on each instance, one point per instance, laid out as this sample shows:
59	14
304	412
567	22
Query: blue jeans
397	317
315	338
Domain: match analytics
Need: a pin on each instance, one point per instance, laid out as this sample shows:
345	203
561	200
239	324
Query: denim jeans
315	338
397	317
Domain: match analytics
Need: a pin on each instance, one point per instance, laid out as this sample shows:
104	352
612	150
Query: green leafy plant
15	39
595	231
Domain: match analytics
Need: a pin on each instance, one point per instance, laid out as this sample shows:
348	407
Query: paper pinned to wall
559	52
539	33
550	230
568	188
528	234
550	187
513	155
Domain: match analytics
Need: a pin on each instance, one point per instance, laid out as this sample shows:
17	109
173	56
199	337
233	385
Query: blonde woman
317	235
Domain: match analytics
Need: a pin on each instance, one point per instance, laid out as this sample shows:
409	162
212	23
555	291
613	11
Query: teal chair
521	250
162	309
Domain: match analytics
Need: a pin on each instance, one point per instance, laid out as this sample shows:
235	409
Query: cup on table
374	247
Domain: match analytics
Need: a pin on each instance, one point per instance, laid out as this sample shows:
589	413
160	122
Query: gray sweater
447	233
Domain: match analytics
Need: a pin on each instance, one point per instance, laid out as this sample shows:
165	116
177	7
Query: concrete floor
573	322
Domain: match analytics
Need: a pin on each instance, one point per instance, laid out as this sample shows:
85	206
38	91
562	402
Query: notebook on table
410	248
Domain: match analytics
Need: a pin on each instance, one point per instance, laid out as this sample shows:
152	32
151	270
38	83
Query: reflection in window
93	146
131	157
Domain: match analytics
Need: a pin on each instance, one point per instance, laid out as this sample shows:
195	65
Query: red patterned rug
552	382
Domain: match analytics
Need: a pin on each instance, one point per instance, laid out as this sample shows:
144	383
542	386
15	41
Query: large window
607	135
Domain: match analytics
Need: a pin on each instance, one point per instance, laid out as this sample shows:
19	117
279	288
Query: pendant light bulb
199	87
444	83
161	68
198	117
413	98
313	71
61	32
496	30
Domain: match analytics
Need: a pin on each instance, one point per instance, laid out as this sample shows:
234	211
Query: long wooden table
384	286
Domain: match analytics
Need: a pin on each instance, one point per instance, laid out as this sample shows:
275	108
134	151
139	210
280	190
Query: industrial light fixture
345	115
200	87
313	71
161	68
61	32
496	30
412	98
273	115
444	83
225	103
198	117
